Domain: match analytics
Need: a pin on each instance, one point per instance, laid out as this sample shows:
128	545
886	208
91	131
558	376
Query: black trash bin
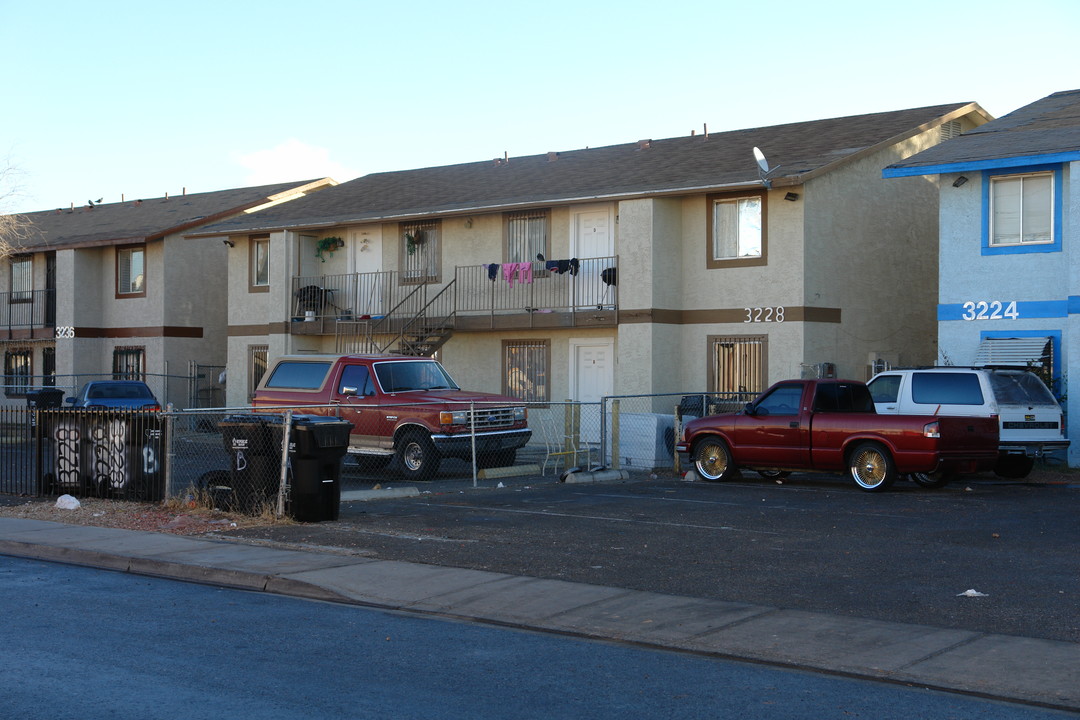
254	448
45	398
317	453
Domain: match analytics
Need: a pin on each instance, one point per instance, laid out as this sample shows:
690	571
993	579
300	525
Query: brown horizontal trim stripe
174	331
728	316
256	330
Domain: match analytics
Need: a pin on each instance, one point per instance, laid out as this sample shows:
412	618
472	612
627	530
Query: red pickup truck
399	405
831	425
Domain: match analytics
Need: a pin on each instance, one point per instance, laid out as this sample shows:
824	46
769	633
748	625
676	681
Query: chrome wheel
712	460
871	467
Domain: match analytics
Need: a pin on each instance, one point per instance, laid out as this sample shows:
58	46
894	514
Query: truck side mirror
348	391
749	409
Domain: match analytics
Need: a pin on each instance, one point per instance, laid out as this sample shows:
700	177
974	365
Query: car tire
1014	467
932	480
774	474
417	457
713	461
871	467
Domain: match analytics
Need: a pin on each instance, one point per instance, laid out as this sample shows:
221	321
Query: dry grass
176	516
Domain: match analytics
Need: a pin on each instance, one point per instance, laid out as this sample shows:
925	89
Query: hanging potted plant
327	245
414	240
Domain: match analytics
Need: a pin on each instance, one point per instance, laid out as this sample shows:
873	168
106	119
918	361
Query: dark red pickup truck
831	425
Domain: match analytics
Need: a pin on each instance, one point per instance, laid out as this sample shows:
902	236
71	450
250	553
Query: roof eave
982	164
480	208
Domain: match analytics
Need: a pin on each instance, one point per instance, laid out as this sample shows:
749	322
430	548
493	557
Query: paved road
88	644
810	543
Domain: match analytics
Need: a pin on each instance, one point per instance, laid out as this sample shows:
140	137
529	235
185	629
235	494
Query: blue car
112	394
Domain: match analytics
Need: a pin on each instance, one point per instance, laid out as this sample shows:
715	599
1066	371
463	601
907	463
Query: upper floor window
526	235
22	278
131	271
736	228
259	263
420	252
1022	209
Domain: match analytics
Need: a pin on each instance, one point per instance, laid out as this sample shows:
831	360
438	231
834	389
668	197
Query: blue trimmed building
1009	262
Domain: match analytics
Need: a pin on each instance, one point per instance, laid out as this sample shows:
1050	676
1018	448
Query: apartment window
737	364
131	271
22	278
257	362
1022	209
259	264
526	235
525	369
129	363
18	365
420	252
736	229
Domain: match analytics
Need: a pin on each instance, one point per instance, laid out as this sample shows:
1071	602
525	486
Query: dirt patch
175	518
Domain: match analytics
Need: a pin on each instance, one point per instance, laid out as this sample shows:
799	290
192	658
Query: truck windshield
1020	387
401	376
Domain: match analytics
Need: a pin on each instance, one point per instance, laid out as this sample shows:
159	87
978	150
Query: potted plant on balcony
327	245
414	240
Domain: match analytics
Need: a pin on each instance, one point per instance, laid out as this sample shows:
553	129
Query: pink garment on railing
522	271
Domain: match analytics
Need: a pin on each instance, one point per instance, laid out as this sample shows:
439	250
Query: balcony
28	314
582	293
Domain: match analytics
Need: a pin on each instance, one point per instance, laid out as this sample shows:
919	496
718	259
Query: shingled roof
797	152
141	220
1047	130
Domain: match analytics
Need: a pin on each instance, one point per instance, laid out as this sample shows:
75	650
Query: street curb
589	476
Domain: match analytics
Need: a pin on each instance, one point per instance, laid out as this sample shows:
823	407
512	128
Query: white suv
1031	421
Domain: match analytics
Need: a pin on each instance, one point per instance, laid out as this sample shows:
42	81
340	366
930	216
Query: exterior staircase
415	326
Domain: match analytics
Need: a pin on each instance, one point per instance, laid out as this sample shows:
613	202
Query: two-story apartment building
656	266
116	290
1009	267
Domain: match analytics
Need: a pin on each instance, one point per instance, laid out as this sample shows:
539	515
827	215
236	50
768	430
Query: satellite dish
761	161
763	167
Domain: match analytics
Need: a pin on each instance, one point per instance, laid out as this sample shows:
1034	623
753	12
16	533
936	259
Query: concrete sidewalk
1011	668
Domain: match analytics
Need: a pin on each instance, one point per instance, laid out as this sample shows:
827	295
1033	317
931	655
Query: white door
592	369
593	237
365	262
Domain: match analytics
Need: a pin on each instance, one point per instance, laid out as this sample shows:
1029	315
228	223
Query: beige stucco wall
871	250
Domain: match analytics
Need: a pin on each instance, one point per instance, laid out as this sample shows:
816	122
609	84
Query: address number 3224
989	310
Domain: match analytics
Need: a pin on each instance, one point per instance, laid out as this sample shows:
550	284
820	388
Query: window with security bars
22	278
737	364
525	369
420	252
18	366
129	363
257	361
526	235
131	271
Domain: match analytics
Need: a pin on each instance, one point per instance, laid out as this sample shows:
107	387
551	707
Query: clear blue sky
142	98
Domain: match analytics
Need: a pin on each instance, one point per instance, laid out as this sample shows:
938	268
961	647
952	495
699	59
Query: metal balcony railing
320	303
28	309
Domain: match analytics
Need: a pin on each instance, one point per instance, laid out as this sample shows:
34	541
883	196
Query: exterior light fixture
959	181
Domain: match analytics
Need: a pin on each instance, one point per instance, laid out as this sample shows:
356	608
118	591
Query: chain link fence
235	458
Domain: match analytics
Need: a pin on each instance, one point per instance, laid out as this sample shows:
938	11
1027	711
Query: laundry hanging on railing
522	271
608	276
492	271
561	266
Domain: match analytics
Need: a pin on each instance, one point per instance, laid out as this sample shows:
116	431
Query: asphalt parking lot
809	542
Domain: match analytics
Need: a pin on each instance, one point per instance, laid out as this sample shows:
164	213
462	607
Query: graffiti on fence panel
67	436
108	443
